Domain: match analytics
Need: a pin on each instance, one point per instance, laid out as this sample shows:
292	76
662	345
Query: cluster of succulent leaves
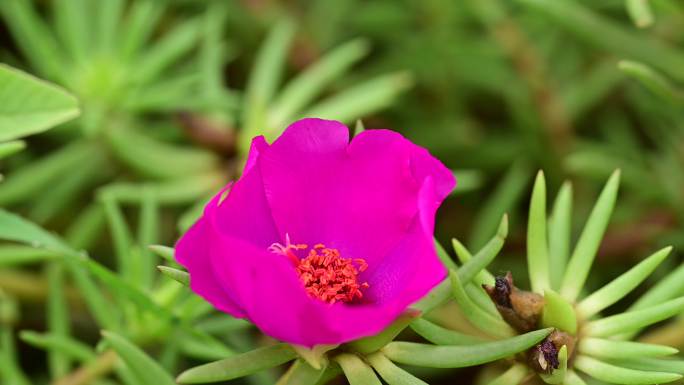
124	167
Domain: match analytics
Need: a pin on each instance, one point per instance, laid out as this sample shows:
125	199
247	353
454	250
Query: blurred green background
172	91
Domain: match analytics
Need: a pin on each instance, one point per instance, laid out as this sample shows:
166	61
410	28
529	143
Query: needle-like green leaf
560	229
442	336
611	36
633	320
505	197
139	24
667	288
148	233
163	251
373	343
480	318
558	313
432	356
513	376
486	255
121	236
301	373
17	229
571	378
640	12
154	158
590	240
537	246
618	375
621	286
653	364
442	292
390	372
176	43
144	368
652	80
57	318
32	179
239	365
67	345
484	276
356	371
264	79
175	274
19	255
11	148
72	25
303	89
612	349
357	101
35	40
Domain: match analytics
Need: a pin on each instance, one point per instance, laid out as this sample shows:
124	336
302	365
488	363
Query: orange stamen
325	274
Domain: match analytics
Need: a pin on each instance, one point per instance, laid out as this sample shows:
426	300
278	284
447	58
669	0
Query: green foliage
455	356
155	105
30	105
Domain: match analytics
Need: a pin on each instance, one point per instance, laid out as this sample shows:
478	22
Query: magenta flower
321	241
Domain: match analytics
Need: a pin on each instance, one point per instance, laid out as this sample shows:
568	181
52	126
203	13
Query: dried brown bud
521	309
543	358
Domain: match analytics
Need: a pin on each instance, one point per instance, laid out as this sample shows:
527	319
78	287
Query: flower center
325	274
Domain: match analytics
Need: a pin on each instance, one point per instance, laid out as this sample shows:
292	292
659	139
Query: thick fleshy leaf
264	79
484	276
560	230
640	12
362	99
145	369
58	318
373	343
432	356
612	349
477	316
441	293
175	274
506	196
442	336
633	320
537	246
163	251
390	372
653	364
356	371
20	255
67	345
667	288
513	376
239	365
618	375
158	159
17	229
305	87
558	313
316	356
301	373
588	243
652	80
12	147
621	285
571	378
611	36
29	105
